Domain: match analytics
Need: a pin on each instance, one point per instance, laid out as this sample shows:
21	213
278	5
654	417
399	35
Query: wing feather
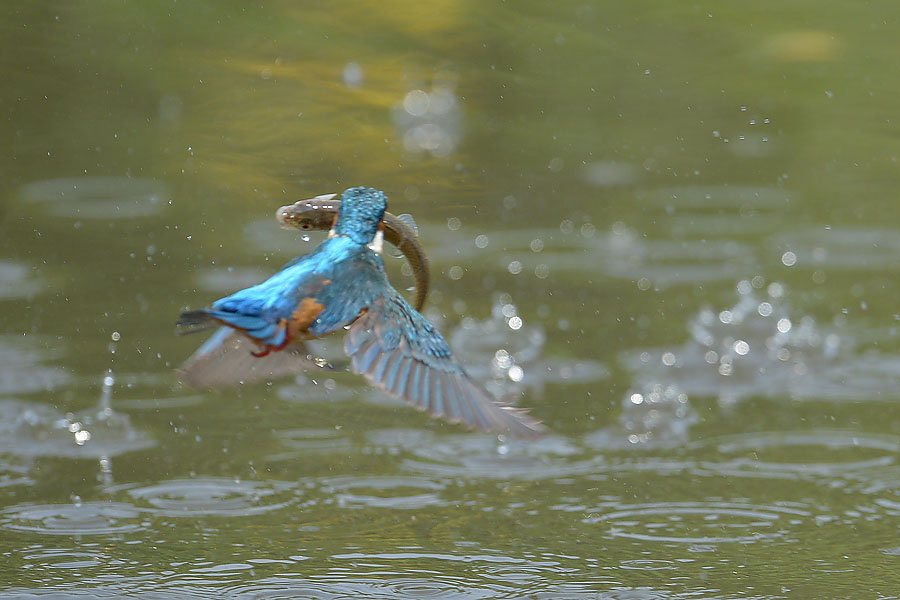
403	377
400	352
367	355
414	387
432	388
466	406
377	372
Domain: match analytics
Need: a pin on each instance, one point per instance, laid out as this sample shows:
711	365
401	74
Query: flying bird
229	358
341	285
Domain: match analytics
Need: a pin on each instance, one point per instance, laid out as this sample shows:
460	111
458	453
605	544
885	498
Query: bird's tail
227	359
272	335
195	321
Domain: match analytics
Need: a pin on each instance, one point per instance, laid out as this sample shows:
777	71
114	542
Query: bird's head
360	215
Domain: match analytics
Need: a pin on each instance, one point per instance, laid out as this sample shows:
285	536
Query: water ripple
842	247
681	522
832	440
834	458
35	429
385	492
758	347
716	198
378	586
212	496
88	518
17	281
649	565
157	402
310	441
14	471
21	368
475	455
508	350
65	558
863	462
657	415
308	389
620	253
725	211
387	586
98	197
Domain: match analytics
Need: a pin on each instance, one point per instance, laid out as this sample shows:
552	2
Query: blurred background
668	229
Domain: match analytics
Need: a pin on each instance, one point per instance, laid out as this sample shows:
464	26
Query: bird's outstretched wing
226	359
400	352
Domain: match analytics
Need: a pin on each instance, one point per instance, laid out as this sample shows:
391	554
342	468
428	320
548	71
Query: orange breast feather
303	317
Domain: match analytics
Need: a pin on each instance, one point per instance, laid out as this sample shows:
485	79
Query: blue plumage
343	282
362	210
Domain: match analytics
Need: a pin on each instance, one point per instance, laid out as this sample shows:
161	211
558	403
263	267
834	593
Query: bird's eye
305	226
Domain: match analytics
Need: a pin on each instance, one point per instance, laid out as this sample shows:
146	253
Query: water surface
668	230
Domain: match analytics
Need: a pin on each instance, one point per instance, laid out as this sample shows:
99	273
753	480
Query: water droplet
353	75
416	102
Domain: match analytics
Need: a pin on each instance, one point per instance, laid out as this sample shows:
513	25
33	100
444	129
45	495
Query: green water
689	209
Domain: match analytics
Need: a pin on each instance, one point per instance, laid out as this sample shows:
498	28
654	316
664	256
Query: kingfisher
342	284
